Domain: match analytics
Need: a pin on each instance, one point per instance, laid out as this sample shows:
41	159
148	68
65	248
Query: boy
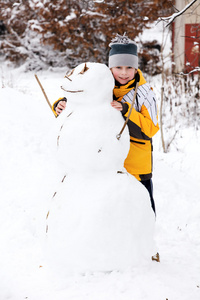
142	123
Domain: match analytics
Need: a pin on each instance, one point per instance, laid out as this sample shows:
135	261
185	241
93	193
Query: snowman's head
89	79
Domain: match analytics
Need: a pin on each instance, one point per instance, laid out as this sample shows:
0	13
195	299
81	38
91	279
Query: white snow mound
100	218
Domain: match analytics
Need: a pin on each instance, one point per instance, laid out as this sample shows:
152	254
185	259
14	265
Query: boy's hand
117	105
59	108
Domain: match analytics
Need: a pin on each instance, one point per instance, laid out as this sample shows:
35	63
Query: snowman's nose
84	69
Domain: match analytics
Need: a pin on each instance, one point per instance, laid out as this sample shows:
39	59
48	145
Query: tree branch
171	18
196	69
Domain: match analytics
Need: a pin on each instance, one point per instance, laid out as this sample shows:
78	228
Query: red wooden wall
192	46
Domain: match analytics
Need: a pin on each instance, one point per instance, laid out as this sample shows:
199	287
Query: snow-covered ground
27	182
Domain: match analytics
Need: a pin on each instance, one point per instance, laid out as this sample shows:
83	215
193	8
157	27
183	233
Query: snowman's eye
84	69
69	73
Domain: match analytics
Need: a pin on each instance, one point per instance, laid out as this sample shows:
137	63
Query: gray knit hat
123	52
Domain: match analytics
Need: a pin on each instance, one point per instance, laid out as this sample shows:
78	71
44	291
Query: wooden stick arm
132	104
48	102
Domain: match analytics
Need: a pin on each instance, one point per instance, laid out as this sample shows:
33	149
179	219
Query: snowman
100	217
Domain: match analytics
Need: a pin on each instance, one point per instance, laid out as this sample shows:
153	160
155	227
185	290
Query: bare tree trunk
162	90
161	103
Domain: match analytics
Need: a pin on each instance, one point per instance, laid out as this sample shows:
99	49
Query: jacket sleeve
143	124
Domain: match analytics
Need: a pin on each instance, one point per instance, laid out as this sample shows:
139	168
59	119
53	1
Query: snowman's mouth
78	91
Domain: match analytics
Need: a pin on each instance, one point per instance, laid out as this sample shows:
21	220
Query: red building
186	38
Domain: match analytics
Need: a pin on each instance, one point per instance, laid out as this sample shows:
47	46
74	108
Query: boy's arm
143	124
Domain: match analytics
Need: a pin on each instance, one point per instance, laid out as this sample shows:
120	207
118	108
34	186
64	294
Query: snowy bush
181	107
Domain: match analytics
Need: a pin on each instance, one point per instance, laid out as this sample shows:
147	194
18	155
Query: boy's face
123	74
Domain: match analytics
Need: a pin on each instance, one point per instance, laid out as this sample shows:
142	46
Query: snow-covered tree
67	32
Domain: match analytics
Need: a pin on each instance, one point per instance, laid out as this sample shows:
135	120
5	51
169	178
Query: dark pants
149	186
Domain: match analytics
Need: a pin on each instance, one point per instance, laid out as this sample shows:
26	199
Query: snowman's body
100	218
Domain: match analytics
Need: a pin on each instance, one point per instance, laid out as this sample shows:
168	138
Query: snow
158	32
70	17
28	177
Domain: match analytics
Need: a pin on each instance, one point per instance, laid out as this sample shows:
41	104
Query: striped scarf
121	90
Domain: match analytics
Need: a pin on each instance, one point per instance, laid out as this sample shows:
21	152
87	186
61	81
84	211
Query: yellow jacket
142	124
